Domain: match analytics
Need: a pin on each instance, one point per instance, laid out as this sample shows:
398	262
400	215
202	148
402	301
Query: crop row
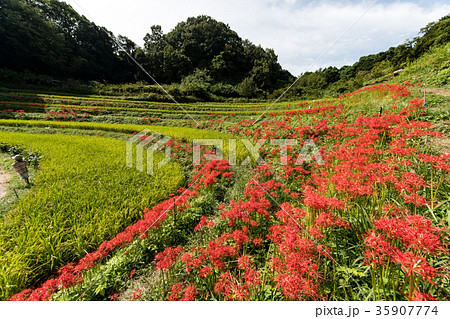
176	110
128	104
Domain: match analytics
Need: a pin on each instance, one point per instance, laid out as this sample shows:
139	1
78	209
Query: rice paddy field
369	221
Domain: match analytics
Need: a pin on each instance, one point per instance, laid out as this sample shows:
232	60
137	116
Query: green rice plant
194	110
82	195
188	134
104	101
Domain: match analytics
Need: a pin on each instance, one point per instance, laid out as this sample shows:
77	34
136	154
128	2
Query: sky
306	35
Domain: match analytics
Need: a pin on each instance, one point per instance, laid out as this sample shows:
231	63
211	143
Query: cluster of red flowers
209	173
204	222
406	242
71	275
181	293
150	120
165	259
370	157
382	90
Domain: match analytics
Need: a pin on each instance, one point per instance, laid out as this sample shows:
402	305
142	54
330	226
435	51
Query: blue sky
299	31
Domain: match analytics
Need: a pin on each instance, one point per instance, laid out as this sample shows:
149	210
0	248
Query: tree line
200	57
49	37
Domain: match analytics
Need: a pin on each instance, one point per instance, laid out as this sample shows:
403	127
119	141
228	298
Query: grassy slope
432	68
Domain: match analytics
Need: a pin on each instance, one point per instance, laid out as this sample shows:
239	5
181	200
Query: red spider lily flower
296	288
419	296
252	277
189	293
257	242
176	292
240	237
325	220
205	272
315	233
204	222
244	262
136	294
412	264
379	249
186	258
165	260
114	297
224	284
240	292
415	231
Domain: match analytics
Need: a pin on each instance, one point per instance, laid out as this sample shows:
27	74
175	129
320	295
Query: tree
201	39
27	41
202	43
50	37
127	45
175	64
197	84
433	34
331	74
154	41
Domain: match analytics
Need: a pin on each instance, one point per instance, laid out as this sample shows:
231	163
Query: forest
200	58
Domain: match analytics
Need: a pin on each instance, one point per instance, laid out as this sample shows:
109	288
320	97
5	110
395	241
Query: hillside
47	41
375	68
47	45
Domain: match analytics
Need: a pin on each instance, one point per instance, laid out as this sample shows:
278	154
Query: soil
438	91
4	181
442	144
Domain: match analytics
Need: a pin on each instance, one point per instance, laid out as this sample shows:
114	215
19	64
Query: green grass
196	111
188	134
191	110
432	68
83	195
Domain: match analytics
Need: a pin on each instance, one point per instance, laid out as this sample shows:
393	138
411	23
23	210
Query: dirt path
442	144
438	91
4	179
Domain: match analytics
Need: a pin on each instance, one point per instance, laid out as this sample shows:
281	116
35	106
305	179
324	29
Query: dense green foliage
49	37
200	59
215	53
380	167
205	56
432	68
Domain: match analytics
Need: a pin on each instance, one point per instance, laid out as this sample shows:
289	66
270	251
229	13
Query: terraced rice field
367	223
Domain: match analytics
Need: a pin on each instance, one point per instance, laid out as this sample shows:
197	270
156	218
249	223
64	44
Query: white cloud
298	31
